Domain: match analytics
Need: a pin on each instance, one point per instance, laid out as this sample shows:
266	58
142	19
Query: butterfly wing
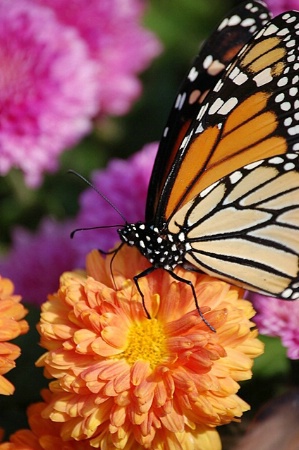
238	203
250	115
216	53
245	228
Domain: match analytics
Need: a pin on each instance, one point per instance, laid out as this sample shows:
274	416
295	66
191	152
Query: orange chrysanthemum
11	326
44	434
123	380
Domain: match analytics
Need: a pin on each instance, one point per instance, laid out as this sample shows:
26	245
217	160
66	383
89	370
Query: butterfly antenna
93	228
100	194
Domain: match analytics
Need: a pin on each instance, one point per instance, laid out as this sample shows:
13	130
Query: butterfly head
162	249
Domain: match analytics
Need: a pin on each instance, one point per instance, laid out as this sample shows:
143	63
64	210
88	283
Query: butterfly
224	192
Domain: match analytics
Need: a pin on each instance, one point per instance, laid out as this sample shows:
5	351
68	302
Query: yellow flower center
146	342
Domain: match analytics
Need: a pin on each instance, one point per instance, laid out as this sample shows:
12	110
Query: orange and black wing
235	193
231	35
251	114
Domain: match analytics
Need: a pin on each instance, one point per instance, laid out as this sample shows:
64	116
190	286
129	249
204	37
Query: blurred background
179	26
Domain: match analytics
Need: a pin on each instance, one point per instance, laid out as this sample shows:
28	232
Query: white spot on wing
202	111
279	98
293	131
291	156
248	22
199	129
223	24
289	166
234	73
218	86
287	293
291	43
228	106
285	106
283	32
263	77
293	91
234	20
271	29
186	140
180	100
193	74
276	160
282	82
208	60
291	19
235	177
253	165
240	79
216	106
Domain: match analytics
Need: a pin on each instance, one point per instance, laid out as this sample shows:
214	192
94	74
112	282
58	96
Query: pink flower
124	183
280	6
280	318
117	42
37	260
48	88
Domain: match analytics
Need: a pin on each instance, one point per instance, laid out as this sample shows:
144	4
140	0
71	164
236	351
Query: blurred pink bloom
280	318
37	259
117	42
48	88
280	6
124	183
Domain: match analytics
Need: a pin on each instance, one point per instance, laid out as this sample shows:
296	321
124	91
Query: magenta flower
37	260
280	318
117	42
124	183
280	6
48	88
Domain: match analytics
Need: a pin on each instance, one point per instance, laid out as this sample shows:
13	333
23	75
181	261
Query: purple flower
48	88
124	183
280	6
37	260
280	318
117	42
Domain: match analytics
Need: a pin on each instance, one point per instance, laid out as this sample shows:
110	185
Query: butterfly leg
136	278
189	283
114	253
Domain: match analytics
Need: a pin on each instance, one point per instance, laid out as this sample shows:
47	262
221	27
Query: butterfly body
162	248
224	191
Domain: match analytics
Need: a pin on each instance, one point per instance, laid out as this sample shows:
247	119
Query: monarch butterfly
224	191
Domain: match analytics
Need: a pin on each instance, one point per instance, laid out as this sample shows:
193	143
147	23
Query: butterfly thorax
161	248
